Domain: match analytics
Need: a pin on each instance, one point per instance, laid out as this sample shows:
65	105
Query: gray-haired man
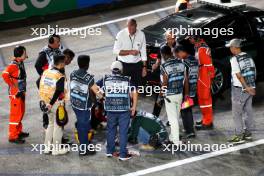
243	90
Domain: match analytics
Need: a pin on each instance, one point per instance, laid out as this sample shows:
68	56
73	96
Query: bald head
132	26
170	38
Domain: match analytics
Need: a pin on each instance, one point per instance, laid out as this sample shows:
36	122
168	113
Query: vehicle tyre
221	80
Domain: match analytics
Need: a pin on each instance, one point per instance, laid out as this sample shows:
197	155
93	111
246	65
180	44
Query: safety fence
14	10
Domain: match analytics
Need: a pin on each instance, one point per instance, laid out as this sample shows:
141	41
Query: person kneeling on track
118	95
147	130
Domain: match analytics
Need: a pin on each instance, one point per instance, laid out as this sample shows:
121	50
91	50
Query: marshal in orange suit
206	75
15	77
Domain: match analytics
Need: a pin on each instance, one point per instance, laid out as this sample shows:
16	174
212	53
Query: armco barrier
37	10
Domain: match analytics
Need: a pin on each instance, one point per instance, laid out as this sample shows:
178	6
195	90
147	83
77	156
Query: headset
19	51
51	38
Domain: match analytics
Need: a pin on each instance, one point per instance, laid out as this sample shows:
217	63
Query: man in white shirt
182	5
243	90
130	48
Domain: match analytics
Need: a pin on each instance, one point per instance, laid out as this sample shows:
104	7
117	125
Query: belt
205	65
238	87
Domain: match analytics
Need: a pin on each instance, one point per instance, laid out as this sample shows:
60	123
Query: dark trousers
157	107
83	124
120	119
187	119
134	70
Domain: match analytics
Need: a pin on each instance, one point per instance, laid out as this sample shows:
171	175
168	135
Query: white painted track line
87	27
196	158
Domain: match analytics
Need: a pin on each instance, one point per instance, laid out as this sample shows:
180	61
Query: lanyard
132	41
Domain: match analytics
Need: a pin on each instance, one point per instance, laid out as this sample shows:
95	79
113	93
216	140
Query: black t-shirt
59	88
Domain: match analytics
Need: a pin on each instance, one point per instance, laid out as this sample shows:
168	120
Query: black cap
180	48
165	50
19	51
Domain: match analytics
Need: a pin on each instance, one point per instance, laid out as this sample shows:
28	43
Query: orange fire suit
15	76
206	74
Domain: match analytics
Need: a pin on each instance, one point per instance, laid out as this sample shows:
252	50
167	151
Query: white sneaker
47	151
62	151
108	155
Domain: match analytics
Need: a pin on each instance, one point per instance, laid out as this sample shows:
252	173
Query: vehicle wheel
220	81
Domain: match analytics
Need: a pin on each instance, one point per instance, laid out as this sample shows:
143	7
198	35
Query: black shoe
236	140
128	157
88	152
247	136
168	124
199	122
23	135
204	127
66	141
17	141
190	135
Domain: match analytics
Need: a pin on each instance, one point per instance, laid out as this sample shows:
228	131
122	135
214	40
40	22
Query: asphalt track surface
20	160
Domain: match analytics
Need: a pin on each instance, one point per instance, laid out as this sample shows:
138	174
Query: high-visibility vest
48	83
192	67
247	68
175	70
117	93
80	84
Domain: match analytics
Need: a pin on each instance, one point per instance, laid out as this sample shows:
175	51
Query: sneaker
190	135
17	141
237	140
23	135
146	147
109	155
61	151
204	127
199	122
88	152
47	151
65	140
247	136
128	157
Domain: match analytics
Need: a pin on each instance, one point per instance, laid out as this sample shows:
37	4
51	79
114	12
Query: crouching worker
147	130
118	95
15	76
52	86
83	88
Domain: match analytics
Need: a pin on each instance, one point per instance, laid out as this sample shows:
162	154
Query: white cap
234	43
117	65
